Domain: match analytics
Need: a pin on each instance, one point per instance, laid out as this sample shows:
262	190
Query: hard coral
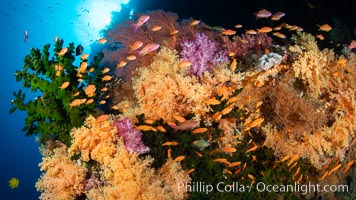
202	53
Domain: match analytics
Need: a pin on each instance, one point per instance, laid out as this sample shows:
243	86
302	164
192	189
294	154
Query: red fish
352	44
263	14
26	36
148	48
140	21
186	125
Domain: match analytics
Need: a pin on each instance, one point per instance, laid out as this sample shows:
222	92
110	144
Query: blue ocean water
74	21
80	22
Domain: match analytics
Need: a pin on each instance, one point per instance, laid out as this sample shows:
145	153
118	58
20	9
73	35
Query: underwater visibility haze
174	99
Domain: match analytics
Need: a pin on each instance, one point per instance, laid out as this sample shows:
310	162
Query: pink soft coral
131	136
202	53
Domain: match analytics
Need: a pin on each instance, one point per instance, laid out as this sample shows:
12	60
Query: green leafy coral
50	115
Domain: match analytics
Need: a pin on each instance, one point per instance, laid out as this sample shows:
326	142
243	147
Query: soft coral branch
131	136
202	53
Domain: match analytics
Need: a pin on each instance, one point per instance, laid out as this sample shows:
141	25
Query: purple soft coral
131	136
202	53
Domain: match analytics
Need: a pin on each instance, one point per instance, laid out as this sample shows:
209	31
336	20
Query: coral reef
192	103
114	173
314	128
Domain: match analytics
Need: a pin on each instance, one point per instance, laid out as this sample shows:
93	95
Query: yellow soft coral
173	177
320	127
311	63
95	140
130	177
63	179
164	90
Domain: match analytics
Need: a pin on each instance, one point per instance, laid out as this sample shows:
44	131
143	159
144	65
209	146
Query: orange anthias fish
62	51
83	67
251	32
194	22
131	57
89	101
90	90
278	34
325	27
320	37
64	85
102	40
265	29
136	45
212	101
84	56
170	143
156	28
102	118
105	70
184	64
121	64
140	21
179	158
228	32
277	15
148	48
77	102
106	78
